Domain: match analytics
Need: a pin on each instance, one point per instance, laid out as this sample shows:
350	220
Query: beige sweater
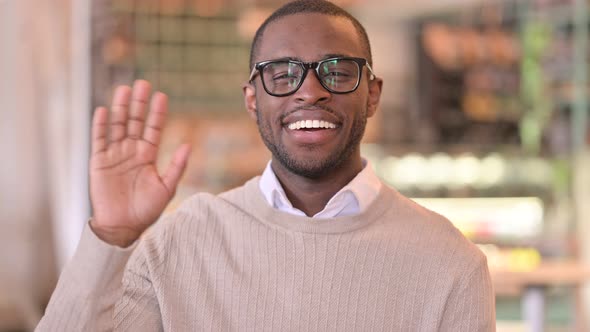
233	263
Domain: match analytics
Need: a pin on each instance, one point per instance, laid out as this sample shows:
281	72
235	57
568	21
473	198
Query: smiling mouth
311	124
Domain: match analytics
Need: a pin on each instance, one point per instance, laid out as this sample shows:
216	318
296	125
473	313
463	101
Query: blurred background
484	119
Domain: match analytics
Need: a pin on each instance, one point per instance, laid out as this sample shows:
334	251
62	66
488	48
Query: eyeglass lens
336	75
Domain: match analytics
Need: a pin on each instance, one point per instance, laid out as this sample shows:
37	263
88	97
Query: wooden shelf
548	274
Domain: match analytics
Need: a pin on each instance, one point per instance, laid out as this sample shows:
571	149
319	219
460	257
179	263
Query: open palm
127	192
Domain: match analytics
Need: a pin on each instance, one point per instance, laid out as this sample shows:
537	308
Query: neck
311	195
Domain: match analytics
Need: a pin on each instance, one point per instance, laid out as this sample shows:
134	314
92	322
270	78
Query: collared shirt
351	199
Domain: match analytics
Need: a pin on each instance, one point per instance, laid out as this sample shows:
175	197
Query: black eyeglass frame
259	67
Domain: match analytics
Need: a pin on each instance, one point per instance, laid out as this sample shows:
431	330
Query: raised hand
127	192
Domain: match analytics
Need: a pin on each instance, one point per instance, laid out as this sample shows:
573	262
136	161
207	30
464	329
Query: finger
99	130
139	101
118	116
176	168
156	119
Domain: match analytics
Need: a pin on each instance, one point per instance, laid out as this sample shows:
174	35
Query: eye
336	73
284	75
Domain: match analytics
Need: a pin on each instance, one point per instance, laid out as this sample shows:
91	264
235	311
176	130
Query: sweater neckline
259	207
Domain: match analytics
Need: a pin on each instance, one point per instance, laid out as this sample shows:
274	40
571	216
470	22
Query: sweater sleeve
88	287
471	306
137	309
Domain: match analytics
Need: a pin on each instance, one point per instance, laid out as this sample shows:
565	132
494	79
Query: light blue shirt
351	199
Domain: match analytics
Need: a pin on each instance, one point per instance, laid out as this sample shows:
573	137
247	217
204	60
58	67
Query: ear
375	87
250	99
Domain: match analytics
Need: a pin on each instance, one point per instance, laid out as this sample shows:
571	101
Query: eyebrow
324	57
334	55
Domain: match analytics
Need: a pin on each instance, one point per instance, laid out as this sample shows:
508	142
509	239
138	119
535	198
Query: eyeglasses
284	77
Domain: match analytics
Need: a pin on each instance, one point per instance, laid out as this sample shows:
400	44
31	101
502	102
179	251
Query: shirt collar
351	199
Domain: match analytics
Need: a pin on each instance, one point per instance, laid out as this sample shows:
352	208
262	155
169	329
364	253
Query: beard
317	167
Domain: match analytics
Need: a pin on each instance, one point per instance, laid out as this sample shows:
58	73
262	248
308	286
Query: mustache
307	108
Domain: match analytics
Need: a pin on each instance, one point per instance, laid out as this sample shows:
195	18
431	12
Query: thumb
176	168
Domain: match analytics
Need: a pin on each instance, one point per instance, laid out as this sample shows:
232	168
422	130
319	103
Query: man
316	243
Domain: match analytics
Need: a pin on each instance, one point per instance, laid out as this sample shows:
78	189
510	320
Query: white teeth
303	124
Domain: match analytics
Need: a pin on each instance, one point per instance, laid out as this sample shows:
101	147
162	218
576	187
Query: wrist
117	236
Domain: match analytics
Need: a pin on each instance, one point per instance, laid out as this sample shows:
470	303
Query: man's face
312	152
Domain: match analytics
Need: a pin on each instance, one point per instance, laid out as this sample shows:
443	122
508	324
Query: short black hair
312	7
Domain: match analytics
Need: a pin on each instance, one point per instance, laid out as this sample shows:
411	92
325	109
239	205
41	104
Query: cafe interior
484	118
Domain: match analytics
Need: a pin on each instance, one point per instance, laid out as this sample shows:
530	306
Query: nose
311	90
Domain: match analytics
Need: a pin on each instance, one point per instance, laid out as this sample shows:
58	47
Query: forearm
88	287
